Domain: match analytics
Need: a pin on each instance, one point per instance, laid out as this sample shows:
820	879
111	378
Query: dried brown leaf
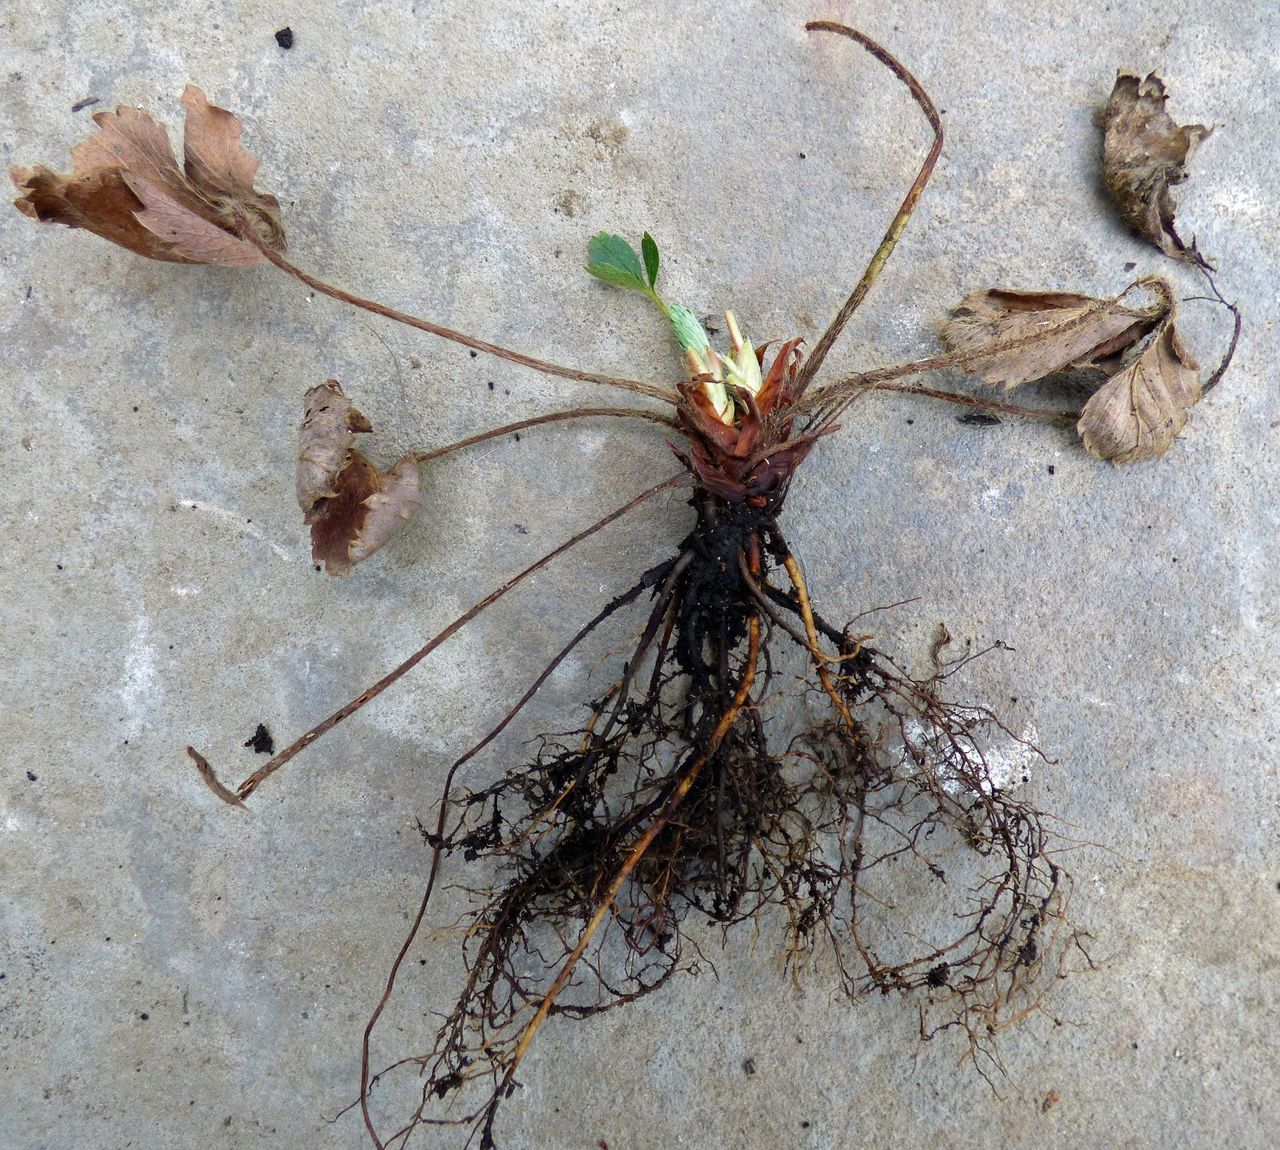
1144	154
212	155
1139	411
1013	337
126	186
388	509
325	439
185	233
353	507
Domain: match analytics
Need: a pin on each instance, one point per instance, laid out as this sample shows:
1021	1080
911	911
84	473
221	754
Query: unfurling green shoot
613	260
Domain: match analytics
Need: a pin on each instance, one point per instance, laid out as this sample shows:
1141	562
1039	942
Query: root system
687	799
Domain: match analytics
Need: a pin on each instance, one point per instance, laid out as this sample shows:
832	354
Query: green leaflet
649	246
613	260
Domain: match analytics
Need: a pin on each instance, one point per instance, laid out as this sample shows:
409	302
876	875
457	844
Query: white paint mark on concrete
184	592
238	522
991	499
1009	763
1252	572
138	684
1236	203
592	441
1006	762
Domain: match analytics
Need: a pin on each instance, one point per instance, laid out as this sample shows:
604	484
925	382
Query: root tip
212	781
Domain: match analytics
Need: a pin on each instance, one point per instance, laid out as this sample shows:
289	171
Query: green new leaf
612	259
688	330
649	246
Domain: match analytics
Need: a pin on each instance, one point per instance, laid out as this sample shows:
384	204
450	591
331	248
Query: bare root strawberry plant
689	796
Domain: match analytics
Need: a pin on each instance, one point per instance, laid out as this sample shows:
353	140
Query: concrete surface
179	974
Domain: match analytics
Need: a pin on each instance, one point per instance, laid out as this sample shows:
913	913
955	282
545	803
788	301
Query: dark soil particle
261	741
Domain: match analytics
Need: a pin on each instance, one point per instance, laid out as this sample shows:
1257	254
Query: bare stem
654	391
1218	298
251	784
829	401
554	417
994	405
899	223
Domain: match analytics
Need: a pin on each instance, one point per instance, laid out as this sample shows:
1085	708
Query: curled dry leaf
1013	337
352	507
126	186
398	496
1144	153
1139	411
325	439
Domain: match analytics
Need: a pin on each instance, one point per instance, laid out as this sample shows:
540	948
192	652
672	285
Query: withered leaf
1144	154
387	509
126	186
1013	337
1139	411
325	438
353	507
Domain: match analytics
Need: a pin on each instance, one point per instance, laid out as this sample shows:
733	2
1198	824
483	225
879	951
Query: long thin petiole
835	407
347	710
899	223
654	391
824	406
537	420
977	402
1225	362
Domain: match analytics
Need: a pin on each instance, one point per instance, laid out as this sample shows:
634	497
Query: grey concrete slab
179	974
